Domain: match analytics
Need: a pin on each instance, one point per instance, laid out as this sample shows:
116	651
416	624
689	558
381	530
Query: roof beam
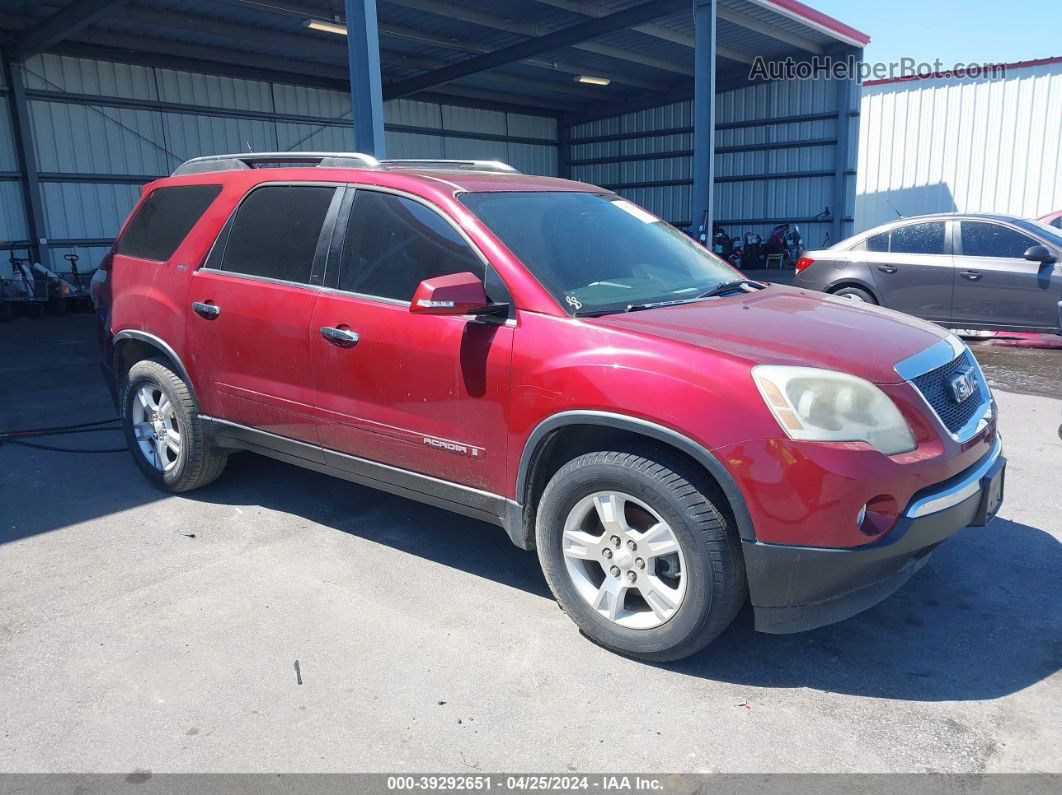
551	41
460	45
485	20
765	28
649	29
534	31
62	24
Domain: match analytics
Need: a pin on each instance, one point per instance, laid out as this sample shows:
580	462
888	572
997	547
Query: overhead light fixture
327	27
594	81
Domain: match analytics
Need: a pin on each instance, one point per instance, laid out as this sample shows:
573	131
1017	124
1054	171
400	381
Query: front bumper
796	588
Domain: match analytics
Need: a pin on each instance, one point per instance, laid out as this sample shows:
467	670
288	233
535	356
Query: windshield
598	254
1042	229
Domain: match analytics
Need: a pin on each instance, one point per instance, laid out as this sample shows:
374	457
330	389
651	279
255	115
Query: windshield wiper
729	287
655	304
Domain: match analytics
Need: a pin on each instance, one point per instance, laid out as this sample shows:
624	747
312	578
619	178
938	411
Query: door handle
887	268
341	337
971	275
209	311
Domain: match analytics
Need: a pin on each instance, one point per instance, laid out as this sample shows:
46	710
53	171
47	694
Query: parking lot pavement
140	631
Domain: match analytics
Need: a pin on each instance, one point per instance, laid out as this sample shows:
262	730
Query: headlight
827	406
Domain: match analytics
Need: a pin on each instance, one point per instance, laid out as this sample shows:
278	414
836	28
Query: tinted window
394	243
275	232
596	253
164	219
925	238
1057	222
993	240
878	242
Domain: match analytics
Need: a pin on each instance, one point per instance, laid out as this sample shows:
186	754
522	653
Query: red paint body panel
427	393
253	359
457	399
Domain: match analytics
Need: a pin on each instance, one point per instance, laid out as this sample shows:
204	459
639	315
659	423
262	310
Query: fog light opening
878	516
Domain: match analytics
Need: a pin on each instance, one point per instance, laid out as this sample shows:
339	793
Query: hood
784	325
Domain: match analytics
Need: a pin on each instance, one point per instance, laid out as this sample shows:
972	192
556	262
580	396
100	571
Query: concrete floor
140	631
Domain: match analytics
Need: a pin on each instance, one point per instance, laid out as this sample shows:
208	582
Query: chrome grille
934	388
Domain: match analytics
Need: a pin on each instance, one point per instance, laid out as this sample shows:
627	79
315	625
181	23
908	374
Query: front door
912	267
250	308
426	394
996	287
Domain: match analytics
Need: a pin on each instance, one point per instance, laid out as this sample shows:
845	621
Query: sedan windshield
1042	229
598	254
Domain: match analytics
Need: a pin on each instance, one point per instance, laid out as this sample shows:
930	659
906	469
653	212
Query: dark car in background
987	272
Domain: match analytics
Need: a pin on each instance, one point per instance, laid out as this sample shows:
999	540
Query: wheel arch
574	431
132	346
852	281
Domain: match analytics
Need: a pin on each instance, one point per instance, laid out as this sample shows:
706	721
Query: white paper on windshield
636	211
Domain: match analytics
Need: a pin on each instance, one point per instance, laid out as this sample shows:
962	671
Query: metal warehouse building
989	144
102	96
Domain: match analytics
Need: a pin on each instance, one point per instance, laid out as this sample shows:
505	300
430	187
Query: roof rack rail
461	165
248	160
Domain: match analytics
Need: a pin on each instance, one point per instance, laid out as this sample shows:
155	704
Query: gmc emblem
962	384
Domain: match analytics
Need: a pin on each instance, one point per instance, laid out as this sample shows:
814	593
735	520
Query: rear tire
167	439
855	294
663	606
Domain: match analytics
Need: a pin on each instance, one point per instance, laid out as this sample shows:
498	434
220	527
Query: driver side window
394	243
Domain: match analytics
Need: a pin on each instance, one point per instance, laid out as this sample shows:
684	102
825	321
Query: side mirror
1039	254
454	294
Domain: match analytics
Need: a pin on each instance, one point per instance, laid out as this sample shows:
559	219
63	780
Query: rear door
250	307
996	287
912	267
426	394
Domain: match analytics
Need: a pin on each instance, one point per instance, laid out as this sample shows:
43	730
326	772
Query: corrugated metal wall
101	129
12	211
776	155
943	145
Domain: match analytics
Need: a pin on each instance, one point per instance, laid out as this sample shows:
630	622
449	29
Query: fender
850	281
643	428
163	346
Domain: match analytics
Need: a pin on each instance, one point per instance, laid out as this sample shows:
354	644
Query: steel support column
564	150
703	117
366	92
847	96
27	160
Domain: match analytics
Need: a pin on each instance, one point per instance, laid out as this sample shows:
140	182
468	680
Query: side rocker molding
157	342
643	428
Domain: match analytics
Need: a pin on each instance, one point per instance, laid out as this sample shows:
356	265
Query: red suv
541	354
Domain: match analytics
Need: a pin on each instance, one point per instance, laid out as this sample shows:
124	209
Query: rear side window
164	219
927	238
878	242
394	243
275	232
993	240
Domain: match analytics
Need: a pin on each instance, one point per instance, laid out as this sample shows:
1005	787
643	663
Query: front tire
162	427
638	547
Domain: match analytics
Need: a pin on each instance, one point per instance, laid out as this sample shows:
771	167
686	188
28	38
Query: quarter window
394	243
164	219
992	240
275	232
926	238
878	242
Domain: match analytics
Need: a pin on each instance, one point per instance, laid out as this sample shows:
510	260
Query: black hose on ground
19	437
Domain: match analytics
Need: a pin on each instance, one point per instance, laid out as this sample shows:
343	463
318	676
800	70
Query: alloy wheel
155	426
624	560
